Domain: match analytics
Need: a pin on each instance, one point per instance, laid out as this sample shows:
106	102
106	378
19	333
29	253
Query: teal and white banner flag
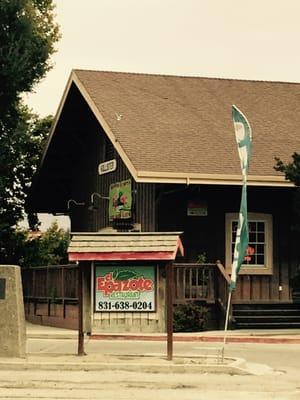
243	135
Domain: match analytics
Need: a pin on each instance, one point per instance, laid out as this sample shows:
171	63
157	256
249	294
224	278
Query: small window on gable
259	255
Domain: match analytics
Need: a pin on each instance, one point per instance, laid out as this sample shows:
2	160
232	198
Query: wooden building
168	143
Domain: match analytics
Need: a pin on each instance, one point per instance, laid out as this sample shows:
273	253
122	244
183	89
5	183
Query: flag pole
226	324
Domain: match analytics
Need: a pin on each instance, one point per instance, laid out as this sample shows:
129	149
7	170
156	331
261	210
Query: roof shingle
183	124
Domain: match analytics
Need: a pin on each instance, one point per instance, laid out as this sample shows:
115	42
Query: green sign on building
120	200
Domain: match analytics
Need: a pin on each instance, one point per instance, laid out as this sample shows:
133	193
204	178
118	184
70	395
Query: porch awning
93	246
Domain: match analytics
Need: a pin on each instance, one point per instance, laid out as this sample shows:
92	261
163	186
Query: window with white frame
259	255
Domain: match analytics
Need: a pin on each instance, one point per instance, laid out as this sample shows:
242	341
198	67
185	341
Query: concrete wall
58	315
12	319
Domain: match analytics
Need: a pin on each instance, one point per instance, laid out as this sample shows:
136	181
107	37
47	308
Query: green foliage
12	246
190	317
291	171
27	250
52	248
20	149
201	258
28	35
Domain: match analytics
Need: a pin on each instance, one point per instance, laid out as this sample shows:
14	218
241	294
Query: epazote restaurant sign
125	288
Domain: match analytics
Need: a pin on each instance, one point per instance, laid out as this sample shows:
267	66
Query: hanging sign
120	200
197	208
107	166
125	288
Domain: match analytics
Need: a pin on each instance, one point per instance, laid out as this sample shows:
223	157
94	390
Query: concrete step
267	325
259	316
281	311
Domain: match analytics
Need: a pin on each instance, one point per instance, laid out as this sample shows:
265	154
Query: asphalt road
281	383
277	356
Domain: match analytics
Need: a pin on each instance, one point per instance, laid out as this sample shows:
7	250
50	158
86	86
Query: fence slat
197	282
51	284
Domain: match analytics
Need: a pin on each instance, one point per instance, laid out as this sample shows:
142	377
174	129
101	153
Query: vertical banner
243	135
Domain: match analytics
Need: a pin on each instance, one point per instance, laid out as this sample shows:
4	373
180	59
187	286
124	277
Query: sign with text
107	166
197	208
120	200
125	288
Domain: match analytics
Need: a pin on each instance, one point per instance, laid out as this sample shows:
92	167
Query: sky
242	39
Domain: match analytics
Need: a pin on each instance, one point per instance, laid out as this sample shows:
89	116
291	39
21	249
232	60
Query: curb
236	367
207	339
65	336
211	339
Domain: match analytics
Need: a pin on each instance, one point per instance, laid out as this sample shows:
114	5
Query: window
259	256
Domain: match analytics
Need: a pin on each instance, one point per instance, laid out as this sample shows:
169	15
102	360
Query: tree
48	249
291	171
28	35
28	250
20	151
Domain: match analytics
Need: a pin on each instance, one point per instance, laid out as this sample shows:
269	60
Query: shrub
190	317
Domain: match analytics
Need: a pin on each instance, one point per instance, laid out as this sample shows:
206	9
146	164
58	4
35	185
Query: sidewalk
280	336
51	348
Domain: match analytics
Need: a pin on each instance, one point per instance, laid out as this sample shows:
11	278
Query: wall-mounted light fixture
92	205
76	203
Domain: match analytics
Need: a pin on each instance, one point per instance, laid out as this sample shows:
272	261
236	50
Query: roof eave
210	179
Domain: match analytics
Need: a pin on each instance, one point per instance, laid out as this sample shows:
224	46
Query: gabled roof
179	129
124	246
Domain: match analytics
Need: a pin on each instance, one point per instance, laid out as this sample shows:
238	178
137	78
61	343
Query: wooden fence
51	298
194	282
50	295
207	283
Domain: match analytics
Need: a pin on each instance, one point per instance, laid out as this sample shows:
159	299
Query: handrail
51	298
223	271
45	267
187	264
222	285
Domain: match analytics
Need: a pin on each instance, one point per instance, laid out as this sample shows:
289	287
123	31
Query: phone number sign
125	288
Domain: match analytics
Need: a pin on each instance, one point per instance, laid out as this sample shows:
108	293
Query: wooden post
34	291
63	292
169	298
80	312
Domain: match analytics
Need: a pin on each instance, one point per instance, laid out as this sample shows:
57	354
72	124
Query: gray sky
247	39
